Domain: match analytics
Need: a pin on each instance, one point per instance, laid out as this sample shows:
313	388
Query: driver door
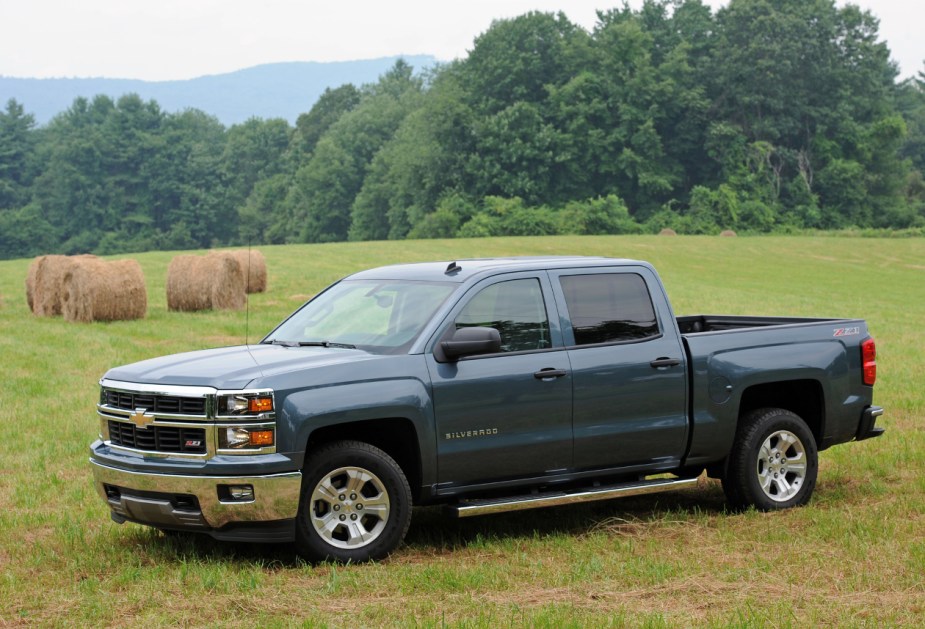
498	417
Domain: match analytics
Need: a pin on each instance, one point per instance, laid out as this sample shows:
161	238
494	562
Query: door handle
658	363
549	373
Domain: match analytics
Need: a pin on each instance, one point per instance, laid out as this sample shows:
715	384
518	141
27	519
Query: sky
157	40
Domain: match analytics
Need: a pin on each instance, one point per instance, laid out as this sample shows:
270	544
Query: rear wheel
773	463
355	504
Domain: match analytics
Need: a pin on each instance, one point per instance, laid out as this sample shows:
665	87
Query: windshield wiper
325	344
309	344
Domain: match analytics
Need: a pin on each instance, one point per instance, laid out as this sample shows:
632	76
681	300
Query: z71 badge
847	331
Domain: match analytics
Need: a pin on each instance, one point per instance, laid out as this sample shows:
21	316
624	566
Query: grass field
855	556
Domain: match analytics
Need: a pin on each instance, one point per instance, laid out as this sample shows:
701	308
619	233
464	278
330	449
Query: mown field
855	556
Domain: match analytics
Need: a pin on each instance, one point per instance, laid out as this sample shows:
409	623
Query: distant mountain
275	90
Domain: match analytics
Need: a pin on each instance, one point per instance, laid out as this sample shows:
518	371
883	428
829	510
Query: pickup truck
483	385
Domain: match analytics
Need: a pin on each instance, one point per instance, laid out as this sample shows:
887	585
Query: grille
155	403
158	438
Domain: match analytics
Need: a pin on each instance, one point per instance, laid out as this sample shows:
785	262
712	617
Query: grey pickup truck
483	385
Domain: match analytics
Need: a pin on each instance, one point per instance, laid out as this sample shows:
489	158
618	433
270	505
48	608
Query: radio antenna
247	292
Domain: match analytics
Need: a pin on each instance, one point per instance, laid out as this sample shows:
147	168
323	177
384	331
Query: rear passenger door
628	368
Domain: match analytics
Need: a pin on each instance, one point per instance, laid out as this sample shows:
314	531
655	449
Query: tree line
767	115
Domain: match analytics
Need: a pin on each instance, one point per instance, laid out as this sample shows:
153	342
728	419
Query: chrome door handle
658	363
549	373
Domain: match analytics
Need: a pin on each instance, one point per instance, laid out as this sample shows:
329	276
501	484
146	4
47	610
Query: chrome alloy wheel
349	507
781	465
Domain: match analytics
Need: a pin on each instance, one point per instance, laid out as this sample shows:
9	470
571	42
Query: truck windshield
379	316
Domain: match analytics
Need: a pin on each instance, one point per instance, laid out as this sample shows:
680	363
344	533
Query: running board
535	501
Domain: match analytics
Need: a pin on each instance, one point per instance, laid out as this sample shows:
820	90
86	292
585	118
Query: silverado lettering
472	433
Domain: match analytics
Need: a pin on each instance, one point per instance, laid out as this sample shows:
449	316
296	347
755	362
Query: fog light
241	493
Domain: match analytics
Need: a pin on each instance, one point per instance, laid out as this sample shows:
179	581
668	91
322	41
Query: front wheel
355	504
773	463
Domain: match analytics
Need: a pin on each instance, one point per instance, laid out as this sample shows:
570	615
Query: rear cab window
609	308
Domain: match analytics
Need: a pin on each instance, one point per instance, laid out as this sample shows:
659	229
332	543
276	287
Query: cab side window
609	308
516	309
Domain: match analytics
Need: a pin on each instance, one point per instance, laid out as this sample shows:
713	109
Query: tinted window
515	309
609	307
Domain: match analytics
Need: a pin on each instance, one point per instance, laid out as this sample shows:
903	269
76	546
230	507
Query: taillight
869	359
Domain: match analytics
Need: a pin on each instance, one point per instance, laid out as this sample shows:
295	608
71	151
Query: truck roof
464	269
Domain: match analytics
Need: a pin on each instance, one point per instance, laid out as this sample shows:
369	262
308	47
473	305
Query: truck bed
693	324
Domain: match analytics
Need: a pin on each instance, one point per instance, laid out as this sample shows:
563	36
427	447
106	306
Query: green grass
854	556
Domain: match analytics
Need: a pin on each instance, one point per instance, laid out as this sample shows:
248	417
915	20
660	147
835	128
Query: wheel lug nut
342	517
342	497
353	496
359	507
337	507
353	517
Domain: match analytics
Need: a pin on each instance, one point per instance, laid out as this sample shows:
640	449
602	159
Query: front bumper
203	503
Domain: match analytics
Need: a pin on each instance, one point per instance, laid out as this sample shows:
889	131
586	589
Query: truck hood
232	367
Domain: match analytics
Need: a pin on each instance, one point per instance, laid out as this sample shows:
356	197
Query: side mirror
471	341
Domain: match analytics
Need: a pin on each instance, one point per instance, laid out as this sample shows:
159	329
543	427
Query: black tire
355	504
773	463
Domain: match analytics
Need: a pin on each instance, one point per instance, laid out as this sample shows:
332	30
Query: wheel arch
396	436
804	398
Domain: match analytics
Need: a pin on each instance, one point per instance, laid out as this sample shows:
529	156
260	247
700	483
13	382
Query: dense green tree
329	107
769	115
807	85
124	176
254	150
24	232
422	163
326	187
517	59
188	182
261	219
500	216
911	104
602	215
17	155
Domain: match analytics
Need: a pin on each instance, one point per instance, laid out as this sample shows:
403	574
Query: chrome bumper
195	502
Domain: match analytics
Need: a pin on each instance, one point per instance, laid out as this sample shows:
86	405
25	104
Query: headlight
239	404
245	437
245	421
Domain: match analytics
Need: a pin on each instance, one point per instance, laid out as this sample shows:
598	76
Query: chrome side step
469	508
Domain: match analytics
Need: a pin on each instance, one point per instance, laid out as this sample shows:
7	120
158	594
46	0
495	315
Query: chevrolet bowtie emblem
140	419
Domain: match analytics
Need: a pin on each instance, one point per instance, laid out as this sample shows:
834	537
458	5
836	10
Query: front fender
408	398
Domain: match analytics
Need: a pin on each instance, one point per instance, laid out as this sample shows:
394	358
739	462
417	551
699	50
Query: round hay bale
97	290
668	232
47	273
254	267
213	281
228	287
30	282
727	233
188	289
